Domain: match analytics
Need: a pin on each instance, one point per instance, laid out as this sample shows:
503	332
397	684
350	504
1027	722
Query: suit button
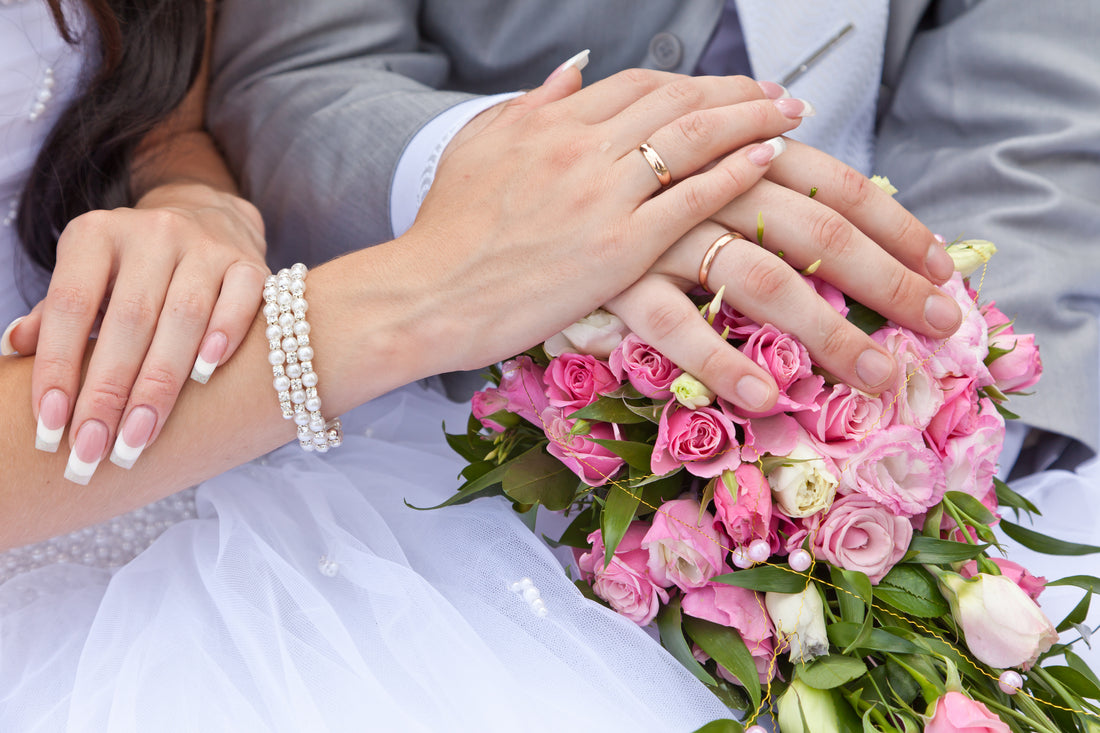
667	50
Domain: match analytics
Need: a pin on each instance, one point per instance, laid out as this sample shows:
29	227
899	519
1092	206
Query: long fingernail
795	108
941	312
938	262
577	62
53	412
6	349
773	91
134	436
754	392
874	368
87	452
767	151
212	351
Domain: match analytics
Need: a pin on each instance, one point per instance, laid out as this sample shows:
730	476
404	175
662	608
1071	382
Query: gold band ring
664	177
712	252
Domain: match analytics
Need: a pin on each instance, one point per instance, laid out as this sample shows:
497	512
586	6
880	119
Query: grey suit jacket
989	124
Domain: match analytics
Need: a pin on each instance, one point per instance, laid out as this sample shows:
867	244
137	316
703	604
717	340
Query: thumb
563	81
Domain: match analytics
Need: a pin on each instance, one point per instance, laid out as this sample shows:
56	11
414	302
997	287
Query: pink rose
1021	367
740	609
996	319
576	380
735	324
917	391
959	409
486	402
829	293
970	460
845	414
957	713
624	582
860	534
1015	572
593	463
685	549
521	383
897	470
743	504
648	370
703	441
787	360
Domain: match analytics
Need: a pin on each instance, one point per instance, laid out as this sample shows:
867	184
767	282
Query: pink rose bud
1017	573
685	549
648	370
860	534
576	380
957	713
1021	367
1002	626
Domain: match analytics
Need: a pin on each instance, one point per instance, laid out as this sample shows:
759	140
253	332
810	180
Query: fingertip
756	394
876	370
212	351
578	62
6	348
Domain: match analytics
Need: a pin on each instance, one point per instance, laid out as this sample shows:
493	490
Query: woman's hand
176	281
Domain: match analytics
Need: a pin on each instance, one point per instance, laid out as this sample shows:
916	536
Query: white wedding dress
298	593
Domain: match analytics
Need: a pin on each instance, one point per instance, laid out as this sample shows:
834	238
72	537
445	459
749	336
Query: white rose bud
971	254
690	392
804	485
799	618
884	183
597	334
804	709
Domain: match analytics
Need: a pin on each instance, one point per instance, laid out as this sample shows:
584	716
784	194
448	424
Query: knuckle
641	79
191	308
834	342
567	153
855	188
158	385
684	93
767	280
715	363
909	230
833	234
664	320
71	301
696	202
900	286
133	312
106	397
695	129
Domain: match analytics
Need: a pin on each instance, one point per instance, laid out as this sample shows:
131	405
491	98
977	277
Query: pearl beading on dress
45	94
108	545
525	588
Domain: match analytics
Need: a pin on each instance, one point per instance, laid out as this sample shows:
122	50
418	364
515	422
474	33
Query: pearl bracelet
291	359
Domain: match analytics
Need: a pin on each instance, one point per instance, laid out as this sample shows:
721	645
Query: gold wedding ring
664	177
712	252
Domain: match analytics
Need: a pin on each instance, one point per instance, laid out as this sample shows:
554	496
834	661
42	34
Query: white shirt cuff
416	167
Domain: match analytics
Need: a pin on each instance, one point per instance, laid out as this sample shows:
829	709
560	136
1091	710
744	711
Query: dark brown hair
149	53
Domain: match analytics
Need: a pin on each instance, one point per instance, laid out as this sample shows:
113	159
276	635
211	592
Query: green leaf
618	513
587	592
1041	543
487	484
1006	413
1077	615
536	477
825	673
1085	582
767	579
913	591
636	455
864	318
659	490
471	448
879	640
1007	497
725	725
931	551
669	621
854	596
609	410
1075	662
576	534
971	507
648	411
724	645
1075	681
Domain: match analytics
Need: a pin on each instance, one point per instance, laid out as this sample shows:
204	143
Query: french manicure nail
753	392
6	349
87	452
578	62
134	436
53	412
773	91
874	367
941	312
767	151
211	353
795	108
938	262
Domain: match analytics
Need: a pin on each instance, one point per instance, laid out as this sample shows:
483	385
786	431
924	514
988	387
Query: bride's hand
551	209
177	280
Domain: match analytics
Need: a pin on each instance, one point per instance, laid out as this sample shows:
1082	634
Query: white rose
968	256
804	485
690	392
597	334
799	618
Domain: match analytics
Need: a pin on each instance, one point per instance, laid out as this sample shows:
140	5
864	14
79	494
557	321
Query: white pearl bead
298	396
800	561
1010	682
309	379
286	320
313	404
531	595
273	332
741	558
290	344
281	383
305	353
270	310
294	371
276	357
301	419
283	298
298	269
301	328
299	306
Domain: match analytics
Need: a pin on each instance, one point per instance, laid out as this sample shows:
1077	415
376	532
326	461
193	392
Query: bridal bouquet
830	561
